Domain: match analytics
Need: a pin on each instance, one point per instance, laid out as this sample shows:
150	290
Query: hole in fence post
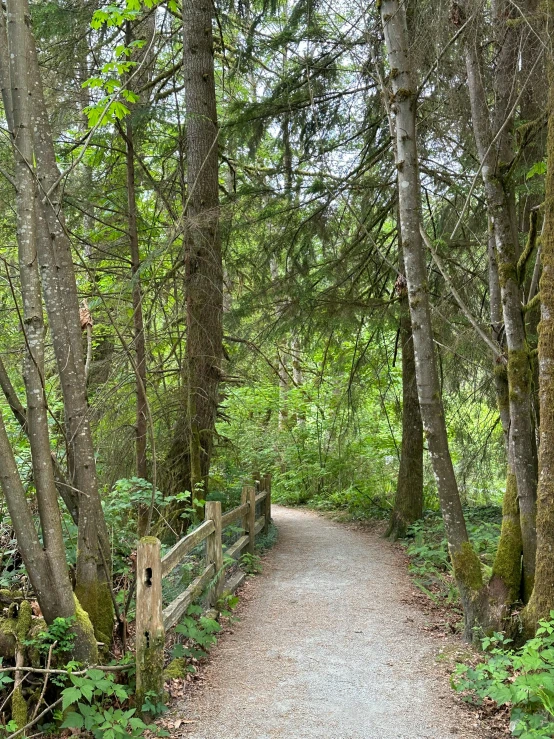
147	637
148	577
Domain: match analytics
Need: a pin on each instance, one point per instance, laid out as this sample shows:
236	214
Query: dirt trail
326	648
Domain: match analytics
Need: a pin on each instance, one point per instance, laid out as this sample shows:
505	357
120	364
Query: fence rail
152	619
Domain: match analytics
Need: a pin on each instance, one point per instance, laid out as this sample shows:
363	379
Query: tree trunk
499	197
505	584
141	423
53	251
466	564
45	563
408	501
542	599
203	265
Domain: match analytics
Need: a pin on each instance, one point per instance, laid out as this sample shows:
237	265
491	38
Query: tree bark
45	564
408	501
141	423
542	599
495	158
466	564
504	587
203	263
59	288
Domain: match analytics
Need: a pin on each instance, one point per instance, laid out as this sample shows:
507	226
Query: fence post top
149	540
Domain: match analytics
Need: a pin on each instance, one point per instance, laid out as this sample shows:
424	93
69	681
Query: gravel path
326	648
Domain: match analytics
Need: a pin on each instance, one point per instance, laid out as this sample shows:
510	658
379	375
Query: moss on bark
519	372
506	271
97	602
86	649
150	666
467	567
507	563
20	711
542	598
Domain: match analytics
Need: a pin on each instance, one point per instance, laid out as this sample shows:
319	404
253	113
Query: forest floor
329	645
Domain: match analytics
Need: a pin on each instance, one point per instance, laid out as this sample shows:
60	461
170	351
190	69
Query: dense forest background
298	238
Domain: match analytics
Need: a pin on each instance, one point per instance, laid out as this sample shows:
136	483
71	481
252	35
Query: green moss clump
24	620
148	540
20	711
86	649
507	563
519	372
501	371
150	667
96	600
467	567
402	94
176	669
11	594
506	272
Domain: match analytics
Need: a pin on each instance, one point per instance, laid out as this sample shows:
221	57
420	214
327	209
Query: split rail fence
152	620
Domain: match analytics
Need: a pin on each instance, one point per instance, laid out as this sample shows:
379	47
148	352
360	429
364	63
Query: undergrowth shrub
428	550
521	679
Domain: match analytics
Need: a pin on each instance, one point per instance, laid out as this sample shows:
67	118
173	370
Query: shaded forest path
326	647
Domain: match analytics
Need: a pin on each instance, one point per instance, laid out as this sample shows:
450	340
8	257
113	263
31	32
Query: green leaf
70	695
539	168
73	721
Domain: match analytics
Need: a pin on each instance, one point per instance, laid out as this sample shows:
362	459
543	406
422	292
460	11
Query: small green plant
227	604
522	679
58	635
152	705
199	631
5	679
251	563
92	696
9	728
267	541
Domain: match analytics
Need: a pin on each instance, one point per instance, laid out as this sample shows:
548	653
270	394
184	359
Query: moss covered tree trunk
505	583
542	599
492	137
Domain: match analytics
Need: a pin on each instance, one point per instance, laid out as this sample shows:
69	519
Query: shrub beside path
327	647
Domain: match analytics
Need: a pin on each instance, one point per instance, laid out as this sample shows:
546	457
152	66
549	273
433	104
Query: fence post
266	482
214	549
244	499
150	637
252	519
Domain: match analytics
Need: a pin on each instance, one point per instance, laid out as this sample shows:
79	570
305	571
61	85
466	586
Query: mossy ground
176	669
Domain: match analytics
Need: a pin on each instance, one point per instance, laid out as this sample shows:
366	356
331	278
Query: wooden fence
152	619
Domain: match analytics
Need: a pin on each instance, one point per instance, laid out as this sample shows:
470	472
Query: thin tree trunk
53	251
46	565
499	196
65	490
408	501
466	564
141	423
11	396
504	587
